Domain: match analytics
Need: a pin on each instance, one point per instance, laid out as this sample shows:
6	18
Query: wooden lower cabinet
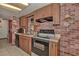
54	48
25	43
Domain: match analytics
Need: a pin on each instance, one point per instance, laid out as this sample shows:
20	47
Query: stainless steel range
40	43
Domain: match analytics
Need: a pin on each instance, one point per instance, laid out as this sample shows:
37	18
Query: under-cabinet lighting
10	6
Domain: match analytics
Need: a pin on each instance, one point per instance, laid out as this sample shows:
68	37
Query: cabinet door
36	14
55	13
20	22
30	45
21	42
25	44
23	22
53	49
43	12
47	11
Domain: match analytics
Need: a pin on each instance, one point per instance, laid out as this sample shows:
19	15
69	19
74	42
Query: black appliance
45	19
20	30
41	51
40	43
17	40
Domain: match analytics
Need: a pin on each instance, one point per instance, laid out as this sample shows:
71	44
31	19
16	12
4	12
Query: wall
46	25
4	29
6	14
69	42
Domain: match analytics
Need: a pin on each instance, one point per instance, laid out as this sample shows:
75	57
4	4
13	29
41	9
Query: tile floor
8	50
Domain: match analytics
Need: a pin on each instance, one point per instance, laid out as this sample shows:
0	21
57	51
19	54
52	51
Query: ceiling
17	5
5	12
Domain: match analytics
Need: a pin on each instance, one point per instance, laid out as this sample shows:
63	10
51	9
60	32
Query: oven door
40	47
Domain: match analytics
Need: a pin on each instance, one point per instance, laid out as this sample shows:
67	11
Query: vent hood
46	19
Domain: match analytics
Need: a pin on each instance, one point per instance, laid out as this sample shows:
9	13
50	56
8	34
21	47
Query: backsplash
69	42
46	25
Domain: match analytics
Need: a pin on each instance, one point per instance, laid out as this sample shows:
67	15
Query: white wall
4	29
6	14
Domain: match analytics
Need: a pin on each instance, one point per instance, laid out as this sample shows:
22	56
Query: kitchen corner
37	32
26	43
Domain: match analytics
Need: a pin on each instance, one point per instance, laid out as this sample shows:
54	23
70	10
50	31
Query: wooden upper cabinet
56	13
46	11
43	12
23	22
49	10
36	14
20	21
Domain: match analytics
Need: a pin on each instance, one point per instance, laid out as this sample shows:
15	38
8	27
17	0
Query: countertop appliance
21	30
40	43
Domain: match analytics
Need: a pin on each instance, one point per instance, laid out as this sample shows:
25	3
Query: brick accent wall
69	42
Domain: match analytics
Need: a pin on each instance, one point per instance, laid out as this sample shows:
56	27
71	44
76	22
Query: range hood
46	19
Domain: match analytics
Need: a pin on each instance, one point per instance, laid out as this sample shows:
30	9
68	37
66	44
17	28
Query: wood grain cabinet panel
43	12
25	44
24	22
21	44
56	13
46	11
39	13
20	21
54	48
36	15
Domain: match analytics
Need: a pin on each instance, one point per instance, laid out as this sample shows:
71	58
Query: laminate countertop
24	34
55	39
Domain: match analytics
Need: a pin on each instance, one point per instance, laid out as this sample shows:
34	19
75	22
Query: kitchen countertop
52	39
24	34
55	39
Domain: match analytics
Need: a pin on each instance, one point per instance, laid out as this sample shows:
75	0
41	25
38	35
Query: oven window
39	46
